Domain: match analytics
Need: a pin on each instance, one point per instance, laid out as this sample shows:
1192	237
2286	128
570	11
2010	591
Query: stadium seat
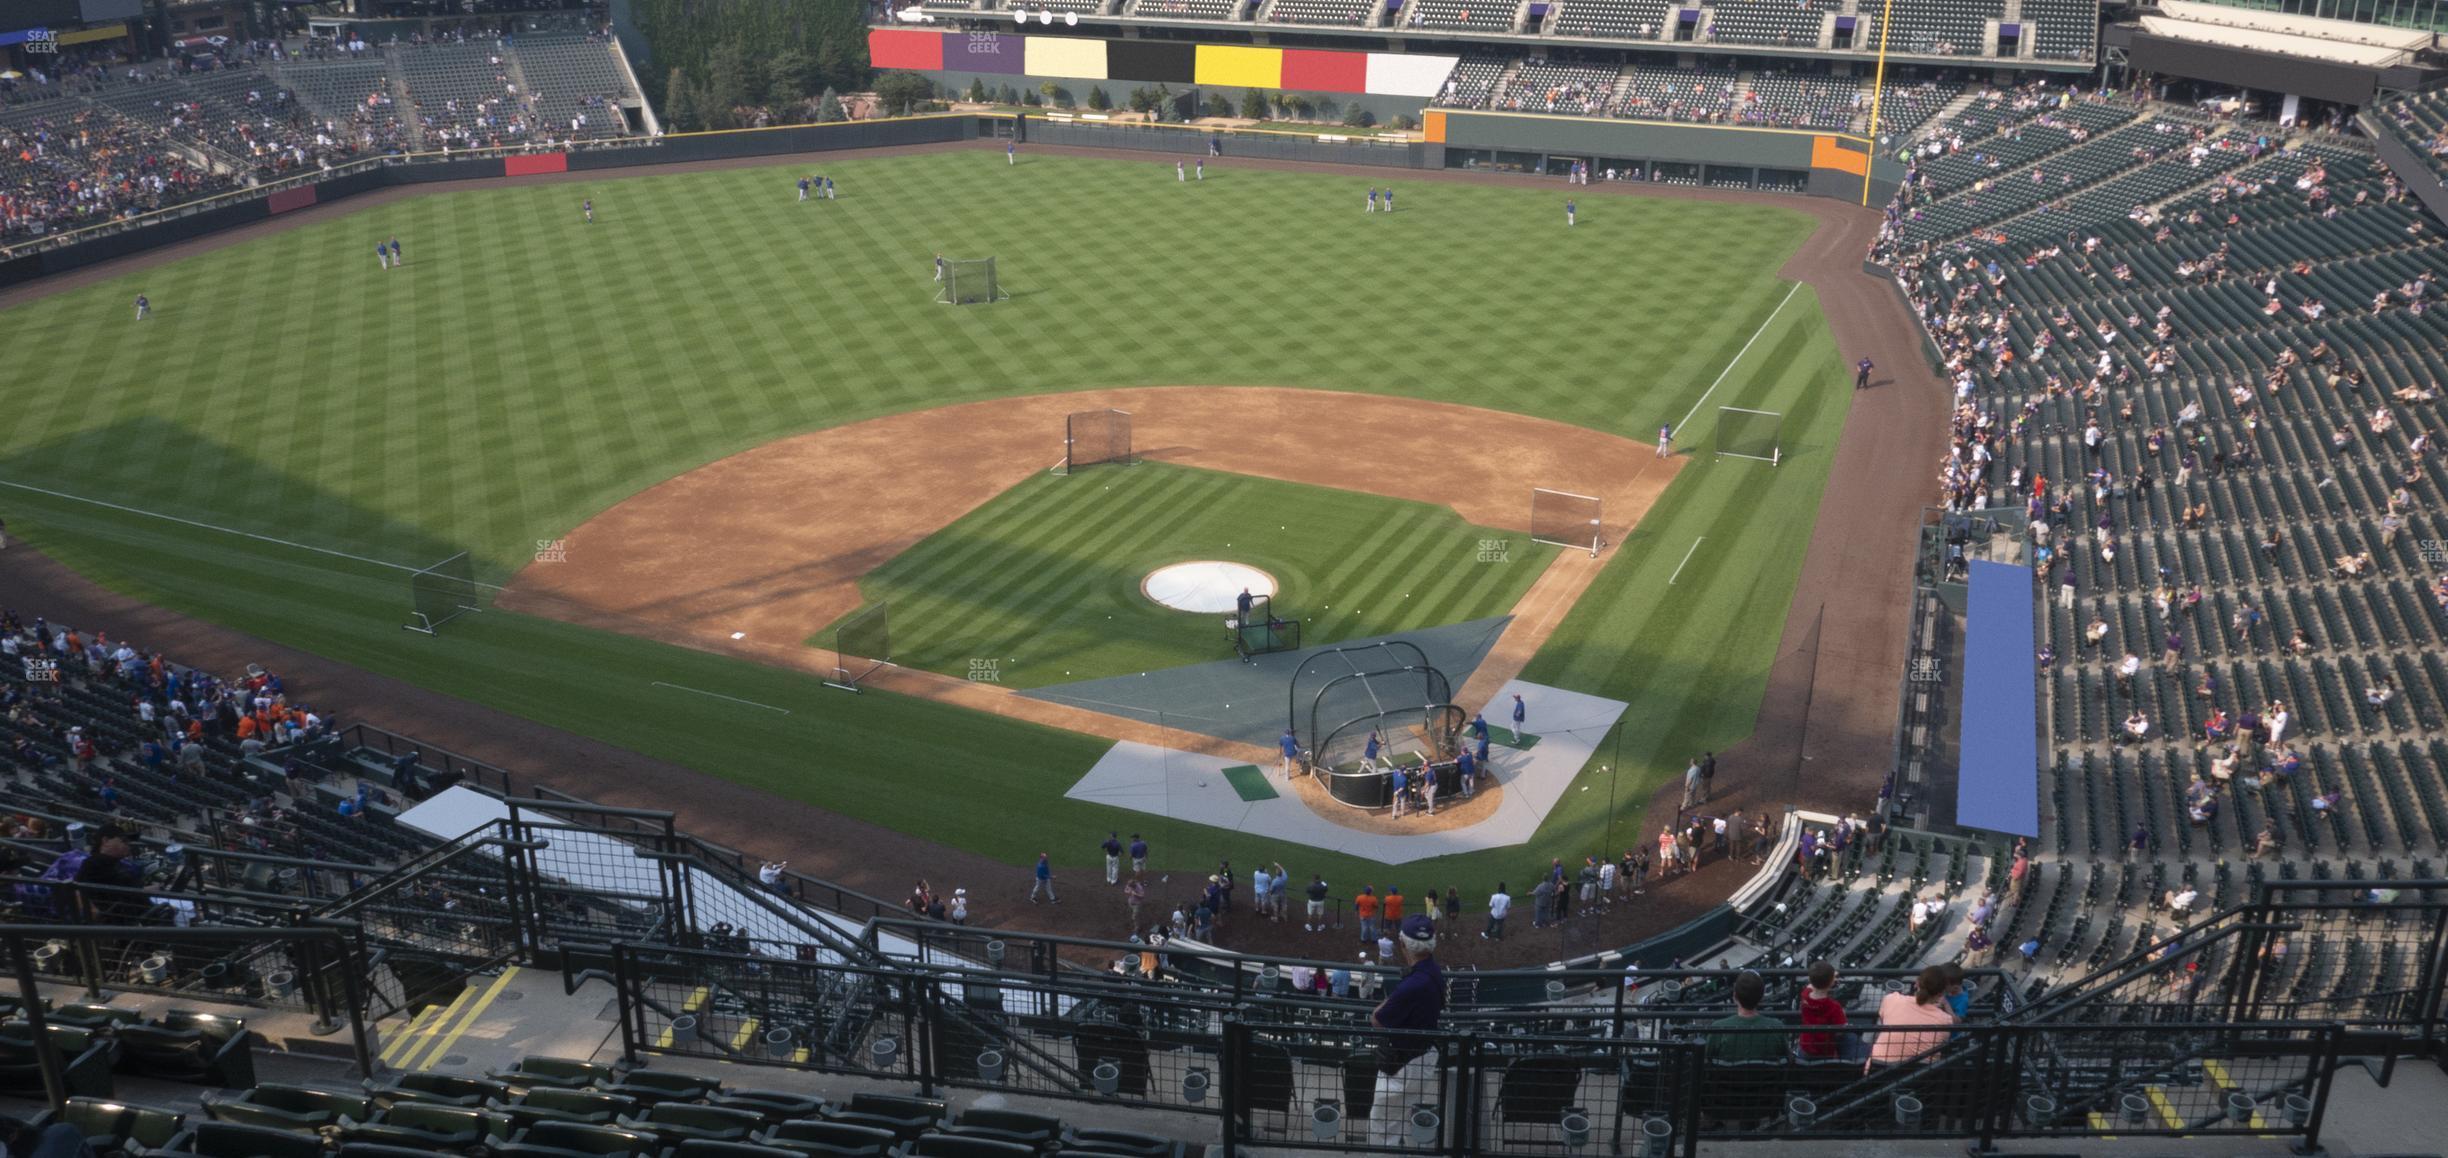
190	1047
677	1122
428	1125
440	1089
87	1057
905	1117
115	1127
563	1139
553	1071
290	1107
829	1138
234	1140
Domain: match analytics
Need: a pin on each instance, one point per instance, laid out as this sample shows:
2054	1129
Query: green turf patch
1041	585
1504	739
1251	783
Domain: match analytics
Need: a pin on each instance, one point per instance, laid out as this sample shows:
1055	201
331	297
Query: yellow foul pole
1878	91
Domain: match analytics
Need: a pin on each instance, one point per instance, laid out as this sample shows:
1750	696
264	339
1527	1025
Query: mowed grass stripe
976	588
1046	578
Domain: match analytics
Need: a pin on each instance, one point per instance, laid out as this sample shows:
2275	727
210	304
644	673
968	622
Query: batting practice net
1340	695
441	593
1096	436
1564	519
862	645
969	281
1749	434
1264	631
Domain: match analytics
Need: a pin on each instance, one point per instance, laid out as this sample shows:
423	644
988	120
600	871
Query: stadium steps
410	123
517	71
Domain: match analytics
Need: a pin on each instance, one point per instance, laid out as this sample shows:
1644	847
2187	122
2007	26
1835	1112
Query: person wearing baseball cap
1407	1059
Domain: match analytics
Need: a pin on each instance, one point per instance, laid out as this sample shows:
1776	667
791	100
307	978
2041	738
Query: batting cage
1564	519
1749	434
1341	696
969	281
862	646
1096	436
1263	631
441	593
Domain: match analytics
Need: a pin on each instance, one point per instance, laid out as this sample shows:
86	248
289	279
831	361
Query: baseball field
296	428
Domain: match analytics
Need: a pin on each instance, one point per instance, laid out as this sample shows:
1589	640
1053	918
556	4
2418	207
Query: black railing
1294	1075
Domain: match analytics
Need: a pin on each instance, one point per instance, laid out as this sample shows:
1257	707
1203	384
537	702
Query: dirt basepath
798	522
770	543
1832	691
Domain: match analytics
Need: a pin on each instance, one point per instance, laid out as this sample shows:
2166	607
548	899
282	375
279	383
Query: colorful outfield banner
1161	62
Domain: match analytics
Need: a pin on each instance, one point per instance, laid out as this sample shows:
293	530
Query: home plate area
1219	791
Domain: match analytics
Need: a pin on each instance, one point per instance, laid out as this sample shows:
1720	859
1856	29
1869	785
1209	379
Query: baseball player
1202	169
382	253
1389	199
144	309
396	258
1181	172
589	208
1571	212
804	186
1372	199
1665	441
1011	152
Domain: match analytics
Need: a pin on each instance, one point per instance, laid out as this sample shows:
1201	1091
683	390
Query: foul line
1670	580
1738	357
200	525
718	695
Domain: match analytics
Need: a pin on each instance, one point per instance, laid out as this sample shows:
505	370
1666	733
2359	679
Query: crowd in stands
97	136
1765	97
2201	367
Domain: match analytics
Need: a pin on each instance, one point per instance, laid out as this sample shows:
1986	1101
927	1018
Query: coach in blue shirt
1407	1061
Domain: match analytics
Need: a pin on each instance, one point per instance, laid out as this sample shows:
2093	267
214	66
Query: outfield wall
1822	164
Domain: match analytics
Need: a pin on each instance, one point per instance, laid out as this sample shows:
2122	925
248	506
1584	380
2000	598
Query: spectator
769	874
1407	1058
1819	1007
1742	1037
1499	904
1925	1005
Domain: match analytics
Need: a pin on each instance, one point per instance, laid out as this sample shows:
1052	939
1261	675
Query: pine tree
679	105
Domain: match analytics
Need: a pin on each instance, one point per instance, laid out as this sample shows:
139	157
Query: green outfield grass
526	370
1042	584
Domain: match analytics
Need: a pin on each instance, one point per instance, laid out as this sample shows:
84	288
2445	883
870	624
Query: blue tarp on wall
1999	788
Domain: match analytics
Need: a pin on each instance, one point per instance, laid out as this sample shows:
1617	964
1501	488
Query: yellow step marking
747	1033
2217	1072
424	1037
408	1031
475	1012
695	1000
2167	1109
2100	1122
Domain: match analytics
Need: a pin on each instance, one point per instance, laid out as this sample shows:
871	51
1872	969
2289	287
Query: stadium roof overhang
2345	74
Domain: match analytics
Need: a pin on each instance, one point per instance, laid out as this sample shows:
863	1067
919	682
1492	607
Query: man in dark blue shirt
1407	1061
